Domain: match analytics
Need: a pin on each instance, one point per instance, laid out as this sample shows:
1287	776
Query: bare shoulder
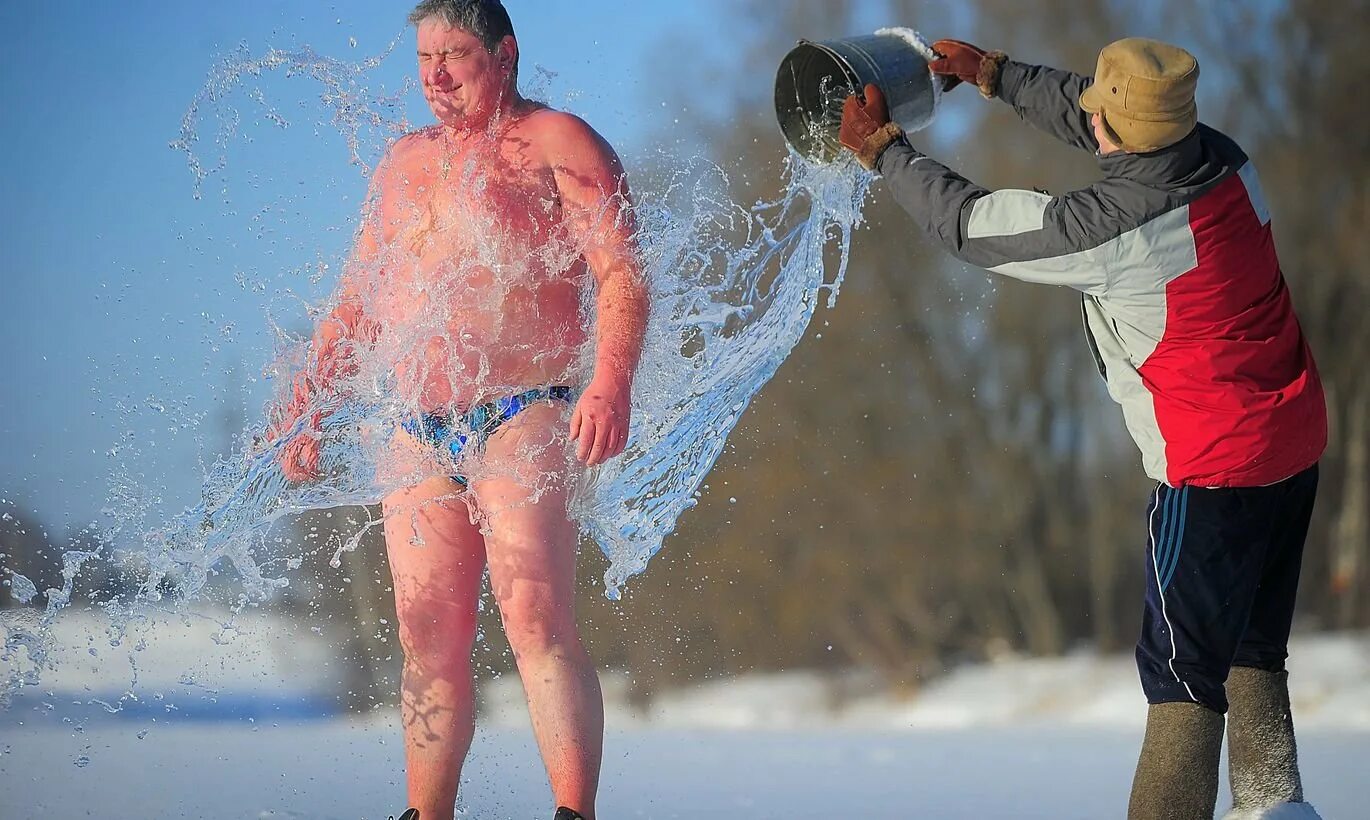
408	143
416	145
563	137
560	123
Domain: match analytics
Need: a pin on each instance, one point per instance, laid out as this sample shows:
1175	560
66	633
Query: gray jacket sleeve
1048	99
1024	234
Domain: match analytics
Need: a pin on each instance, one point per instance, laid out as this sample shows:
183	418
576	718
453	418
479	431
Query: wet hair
486	20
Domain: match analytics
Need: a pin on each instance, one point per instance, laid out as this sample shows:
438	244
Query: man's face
462	82
1106	144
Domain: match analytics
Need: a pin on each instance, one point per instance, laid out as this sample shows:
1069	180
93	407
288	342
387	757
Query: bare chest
486	198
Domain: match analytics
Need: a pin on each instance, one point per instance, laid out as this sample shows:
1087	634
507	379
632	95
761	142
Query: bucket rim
848	72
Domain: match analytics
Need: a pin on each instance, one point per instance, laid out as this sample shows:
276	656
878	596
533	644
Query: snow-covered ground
192	665
236	724
342	770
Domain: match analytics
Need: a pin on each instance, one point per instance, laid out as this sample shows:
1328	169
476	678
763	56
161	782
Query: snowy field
238	725
339	770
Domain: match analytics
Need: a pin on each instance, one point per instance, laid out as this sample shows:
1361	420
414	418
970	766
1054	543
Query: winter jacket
1185	307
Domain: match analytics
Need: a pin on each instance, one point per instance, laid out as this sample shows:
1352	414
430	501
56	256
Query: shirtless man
481	234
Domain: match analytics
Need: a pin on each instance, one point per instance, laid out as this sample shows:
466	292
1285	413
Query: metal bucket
815	78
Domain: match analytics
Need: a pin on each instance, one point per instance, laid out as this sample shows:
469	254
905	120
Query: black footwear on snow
564	813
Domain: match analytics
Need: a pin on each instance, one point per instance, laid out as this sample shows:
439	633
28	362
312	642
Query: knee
1250	689
537	628
436	635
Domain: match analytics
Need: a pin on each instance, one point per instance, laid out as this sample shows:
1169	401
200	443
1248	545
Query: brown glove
961	62
866	128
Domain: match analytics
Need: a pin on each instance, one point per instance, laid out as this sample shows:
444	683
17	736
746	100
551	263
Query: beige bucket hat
1144	92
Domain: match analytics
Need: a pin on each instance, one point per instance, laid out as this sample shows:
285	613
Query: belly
484	296
481	349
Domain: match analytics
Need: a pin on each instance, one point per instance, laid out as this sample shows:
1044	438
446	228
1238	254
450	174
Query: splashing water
725	314
732	290
354	113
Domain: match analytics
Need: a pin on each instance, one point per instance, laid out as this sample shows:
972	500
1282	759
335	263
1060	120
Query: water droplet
21	588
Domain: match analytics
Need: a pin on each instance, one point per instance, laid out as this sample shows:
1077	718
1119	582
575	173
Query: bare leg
531	547
437	557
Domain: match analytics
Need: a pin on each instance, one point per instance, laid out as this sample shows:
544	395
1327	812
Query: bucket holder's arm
1048	99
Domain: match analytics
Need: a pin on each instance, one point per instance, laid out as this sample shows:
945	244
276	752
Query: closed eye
446	55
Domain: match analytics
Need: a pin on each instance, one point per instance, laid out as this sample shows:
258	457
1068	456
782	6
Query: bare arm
330	351
598	210
330	348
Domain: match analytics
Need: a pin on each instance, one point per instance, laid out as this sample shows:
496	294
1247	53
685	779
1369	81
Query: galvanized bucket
816	77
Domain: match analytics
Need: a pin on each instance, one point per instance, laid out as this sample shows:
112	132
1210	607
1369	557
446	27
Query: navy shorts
1222	574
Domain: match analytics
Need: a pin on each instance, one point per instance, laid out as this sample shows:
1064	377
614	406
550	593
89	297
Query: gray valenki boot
1177	772
1263	760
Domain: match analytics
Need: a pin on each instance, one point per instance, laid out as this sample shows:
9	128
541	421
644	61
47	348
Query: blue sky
136	315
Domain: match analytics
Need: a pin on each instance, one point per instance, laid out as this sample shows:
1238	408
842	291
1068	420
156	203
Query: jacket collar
1172	165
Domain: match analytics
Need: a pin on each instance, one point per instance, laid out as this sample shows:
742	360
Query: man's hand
959	62
863	117
866	128
299	458
600	421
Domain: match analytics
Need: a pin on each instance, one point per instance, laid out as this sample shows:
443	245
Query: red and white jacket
1185	306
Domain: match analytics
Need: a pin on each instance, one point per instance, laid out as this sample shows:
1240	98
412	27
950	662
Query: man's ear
507	52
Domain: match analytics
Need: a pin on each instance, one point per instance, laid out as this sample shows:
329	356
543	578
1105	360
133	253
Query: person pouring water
1191	325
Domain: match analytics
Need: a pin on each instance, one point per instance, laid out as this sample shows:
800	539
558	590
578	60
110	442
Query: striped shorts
1222	572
